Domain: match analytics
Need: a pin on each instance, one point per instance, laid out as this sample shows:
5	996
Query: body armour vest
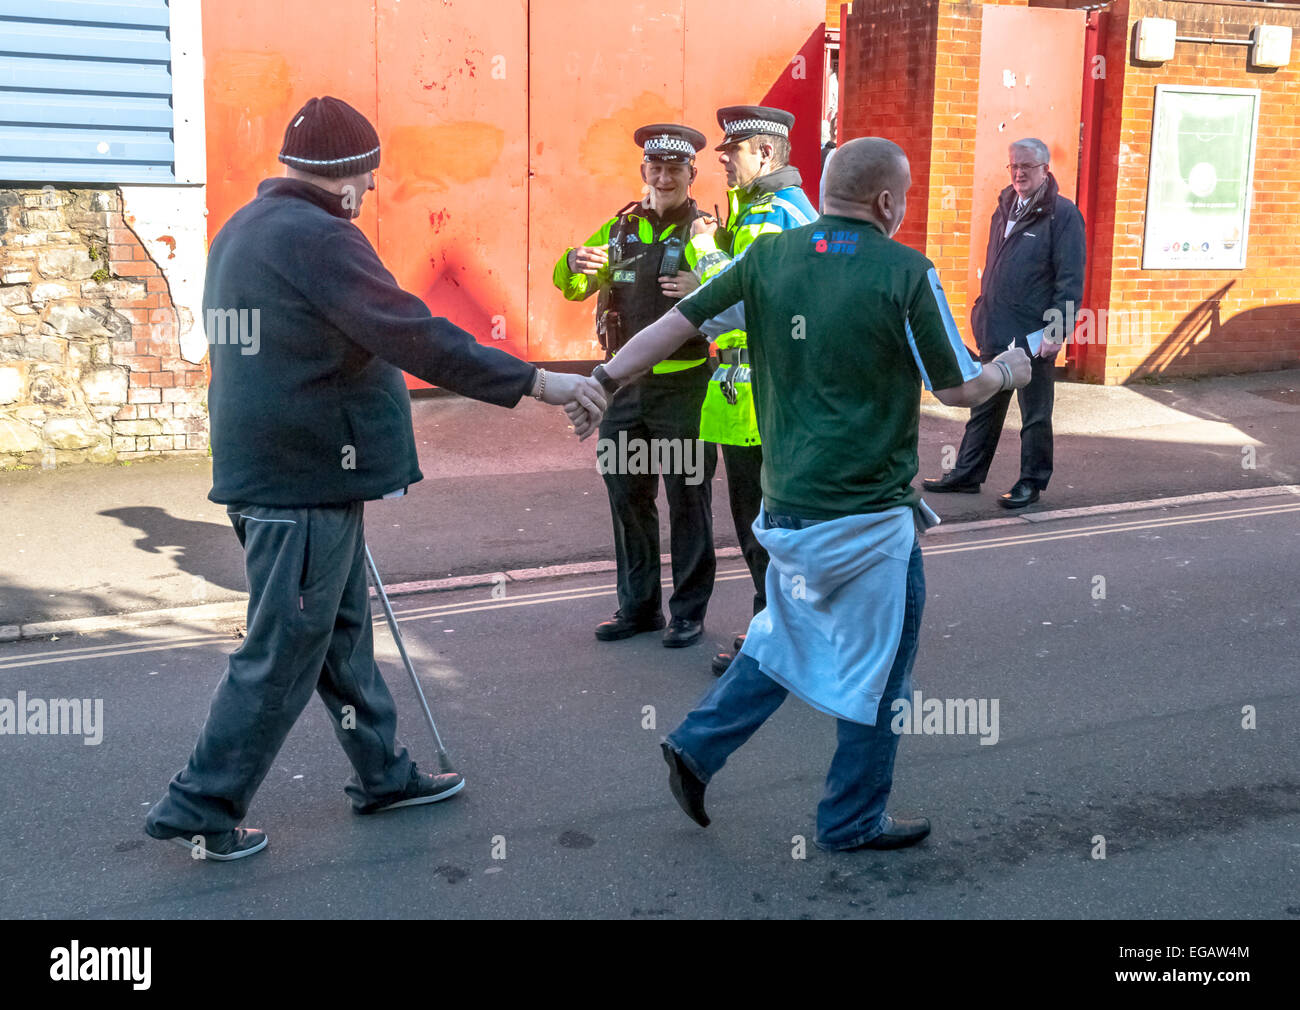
633	300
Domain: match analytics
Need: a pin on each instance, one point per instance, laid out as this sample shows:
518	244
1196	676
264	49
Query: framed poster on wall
1202	170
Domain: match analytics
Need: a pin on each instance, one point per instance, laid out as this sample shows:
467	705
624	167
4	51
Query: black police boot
682	633
621	627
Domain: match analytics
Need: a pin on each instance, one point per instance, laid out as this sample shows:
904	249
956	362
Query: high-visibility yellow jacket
771	203
579	286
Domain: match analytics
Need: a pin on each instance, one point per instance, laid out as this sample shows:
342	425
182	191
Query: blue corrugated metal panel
85	91
105	12
35	38
32	73
15	170
59	109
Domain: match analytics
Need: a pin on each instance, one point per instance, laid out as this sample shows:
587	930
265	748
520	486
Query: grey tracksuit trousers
309	629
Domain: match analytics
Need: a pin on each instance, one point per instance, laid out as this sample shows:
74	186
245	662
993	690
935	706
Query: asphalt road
1119	717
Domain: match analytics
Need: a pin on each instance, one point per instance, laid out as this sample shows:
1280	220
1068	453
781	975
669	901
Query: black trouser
745	489
655	410
309	630
985	428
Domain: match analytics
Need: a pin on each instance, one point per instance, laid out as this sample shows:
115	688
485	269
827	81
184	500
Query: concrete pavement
514	489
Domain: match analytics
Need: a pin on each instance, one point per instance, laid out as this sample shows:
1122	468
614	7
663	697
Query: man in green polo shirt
844	327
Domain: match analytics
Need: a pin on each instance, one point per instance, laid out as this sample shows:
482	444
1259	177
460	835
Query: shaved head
868	177
863	168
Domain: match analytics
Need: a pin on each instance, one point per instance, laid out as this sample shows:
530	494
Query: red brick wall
887	74
1201	321
163	386
952	164
909	71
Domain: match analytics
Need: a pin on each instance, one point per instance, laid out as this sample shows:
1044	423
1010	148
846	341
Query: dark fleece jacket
308	335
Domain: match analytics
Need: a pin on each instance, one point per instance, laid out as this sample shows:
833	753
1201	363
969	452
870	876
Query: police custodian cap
740	122
669	142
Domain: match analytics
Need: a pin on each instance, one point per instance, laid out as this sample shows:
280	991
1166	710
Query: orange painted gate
1031	73
506	127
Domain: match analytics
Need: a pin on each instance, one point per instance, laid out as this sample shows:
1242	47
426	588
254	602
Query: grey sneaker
222	847
421	788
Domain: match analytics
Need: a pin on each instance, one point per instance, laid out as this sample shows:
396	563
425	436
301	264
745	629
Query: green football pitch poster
1202	169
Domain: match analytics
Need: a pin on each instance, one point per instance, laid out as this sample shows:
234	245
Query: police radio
672	258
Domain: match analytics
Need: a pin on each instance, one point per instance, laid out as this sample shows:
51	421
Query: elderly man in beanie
309	335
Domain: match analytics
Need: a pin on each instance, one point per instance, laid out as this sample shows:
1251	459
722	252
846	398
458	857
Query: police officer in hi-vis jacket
640	263
763	196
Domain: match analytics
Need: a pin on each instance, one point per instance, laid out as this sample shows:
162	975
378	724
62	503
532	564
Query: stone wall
90	361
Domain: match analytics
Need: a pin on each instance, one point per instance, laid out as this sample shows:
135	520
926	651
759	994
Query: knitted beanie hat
328	137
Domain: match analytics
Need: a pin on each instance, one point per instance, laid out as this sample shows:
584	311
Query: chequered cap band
758	126
669	145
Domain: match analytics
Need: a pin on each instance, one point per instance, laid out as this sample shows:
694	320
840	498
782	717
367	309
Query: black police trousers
745	490
651	430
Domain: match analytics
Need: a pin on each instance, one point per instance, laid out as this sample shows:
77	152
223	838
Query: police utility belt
733	363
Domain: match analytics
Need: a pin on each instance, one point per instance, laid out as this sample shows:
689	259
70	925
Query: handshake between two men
585	398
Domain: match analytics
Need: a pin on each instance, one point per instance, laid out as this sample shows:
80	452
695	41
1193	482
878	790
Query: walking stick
444	761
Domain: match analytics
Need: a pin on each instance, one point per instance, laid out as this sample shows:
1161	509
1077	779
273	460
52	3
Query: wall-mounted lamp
1270	46
1154	39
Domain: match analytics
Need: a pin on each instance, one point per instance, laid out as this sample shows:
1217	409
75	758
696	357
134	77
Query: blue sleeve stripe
969	368
911	342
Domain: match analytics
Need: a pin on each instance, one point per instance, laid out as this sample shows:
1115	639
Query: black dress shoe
622	627
682	632
898	834
946	485
688	791
738	644
1019	496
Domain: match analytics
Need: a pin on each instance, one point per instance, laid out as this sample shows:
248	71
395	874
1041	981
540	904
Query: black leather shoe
682	633
1019	496
738	644
946	485
620	627
899	833
688	791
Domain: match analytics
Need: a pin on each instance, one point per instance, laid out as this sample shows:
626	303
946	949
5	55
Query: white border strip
189	130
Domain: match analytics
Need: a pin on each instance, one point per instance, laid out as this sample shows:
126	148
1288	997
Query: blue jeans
852	811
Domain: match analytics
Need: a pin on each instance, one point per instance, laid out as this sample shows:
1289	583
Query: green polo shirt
845	326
